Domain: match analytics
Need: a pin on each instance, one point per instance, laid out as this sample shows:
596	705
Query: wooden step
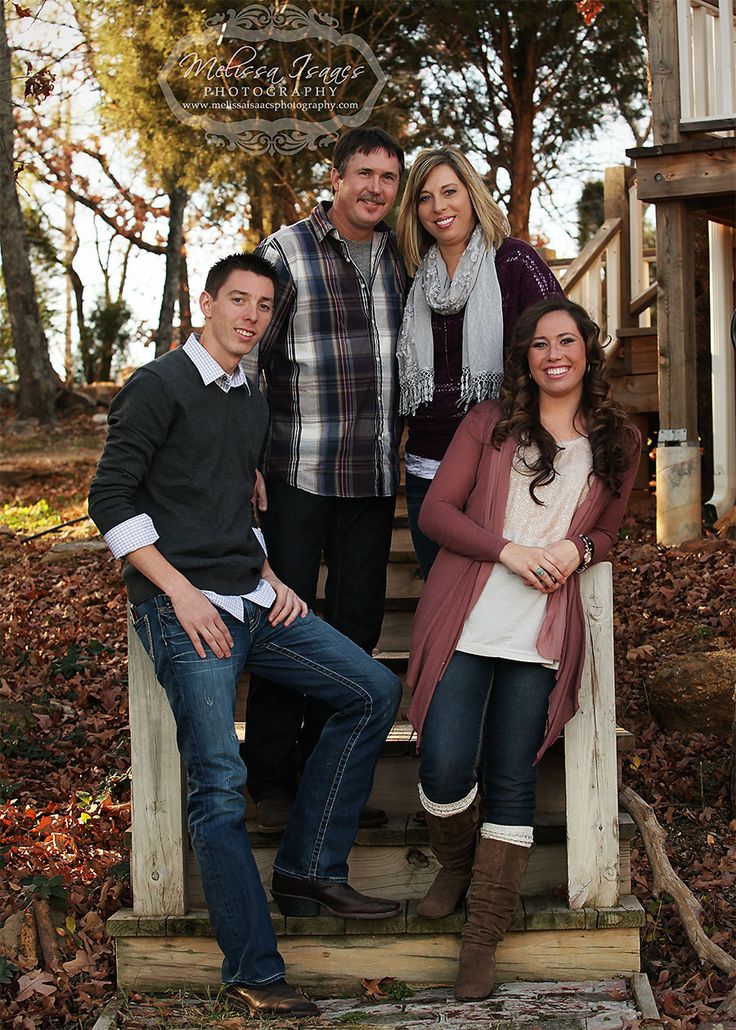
395	635
638	353
396	777
403	583
396	860
546	941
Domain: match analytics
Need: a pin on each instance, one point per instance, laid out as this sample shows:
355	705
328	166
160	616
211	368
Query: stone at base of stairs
586	1005
605	1004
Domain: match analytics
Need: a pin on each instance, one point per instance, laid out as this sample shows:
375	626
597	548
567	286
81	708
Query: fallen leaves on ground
64	756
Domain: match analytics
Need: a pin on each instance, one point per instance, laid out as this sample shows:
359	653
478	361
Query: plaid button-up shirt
329	358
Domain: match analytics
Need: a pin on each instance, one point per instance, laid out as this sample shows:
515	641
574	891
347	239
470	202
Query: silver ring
539	572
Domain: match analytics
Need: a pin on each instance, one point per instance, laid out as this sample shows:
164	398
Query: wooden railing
597	278
593	279
706	39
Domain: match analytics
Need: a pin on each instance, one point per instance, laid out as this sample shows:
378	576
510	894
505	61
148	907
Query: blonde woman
472	280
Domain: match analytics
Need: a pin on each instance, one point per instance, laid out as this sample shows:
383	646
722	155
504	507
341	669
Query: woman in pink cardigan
532	490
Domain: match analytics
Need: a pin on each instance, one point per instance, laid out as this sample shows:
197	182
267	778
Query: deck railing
595	278
706	38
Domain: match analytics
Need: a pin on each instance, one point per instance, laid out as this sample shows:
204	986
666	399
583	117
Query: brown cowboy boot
498	871
453	842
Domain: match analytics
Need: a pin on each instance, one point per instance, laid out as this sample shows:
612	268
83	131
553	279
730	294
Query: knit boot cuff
452	808
521	835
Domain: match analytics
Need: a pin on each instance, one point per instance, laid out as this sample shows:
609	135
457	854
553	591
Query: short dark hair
364	141
245	262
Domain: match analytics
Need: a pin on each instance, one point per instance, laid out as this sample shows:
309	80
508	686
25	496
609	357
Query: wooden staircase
577	919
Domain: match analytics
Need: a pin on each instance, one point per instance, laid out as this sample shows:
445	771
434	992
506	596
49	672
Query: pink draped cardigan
464	512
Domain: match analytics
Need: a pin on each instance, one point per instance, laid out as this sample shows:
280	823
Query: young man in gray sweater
172	496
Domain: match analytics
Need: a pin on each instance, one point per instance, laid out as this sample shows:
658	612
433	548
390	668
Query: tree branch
665	879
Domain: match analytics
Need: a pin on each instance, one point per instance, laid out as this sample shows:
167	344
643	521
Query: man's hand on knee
202	622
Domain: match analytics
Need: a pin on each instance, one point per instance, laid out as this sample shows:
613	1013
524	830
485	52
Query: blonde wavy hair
414	240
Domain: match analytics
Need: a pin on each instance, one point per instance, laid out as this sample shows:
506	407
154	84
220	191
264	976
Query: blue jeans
485	725
426	550
337	778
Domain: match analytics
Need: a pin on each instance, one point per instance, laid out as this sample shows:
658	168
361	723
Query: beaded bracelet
588	553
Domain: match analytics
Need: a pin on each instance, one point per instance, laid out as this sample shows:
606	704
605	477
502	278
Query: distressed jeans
337	778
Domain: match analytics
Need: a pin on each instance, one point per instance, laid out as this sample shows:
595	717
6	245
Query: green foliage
50	888
521	84
131	42
14	743
590	211
8	970
120	871
106	338
68	664
400	991
73	660
8	790
29	518
46	272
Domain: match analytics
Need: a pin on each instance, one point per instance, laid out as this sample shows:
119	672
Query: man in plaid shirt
331	464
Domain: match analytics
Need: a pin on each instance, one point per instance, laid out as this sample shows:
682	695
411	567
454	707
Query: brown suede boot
494	894
453	842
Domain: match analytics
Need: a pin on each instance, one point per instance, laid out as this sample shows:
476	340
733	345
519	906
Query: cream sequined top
508	615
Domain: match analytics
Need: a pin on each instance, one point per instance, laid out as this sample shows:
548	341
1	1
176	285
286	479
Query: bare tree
37	380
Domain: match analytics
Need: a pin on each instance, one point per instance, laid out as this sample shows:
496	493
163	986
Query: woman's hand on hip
539	567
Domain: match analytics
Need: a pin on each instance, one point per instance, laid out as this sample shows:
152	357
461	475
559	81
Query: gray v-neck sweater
185	454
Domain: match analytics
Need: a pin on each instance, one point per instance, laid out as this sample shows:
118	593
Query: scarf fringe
484	386
416	388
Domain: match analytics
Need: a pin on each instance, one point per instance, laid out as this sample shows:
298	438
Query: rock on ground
695	692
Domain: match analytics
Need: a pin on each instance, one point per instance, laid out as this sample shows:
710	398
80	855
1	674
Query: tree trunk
178	200
84	341
521	90
522	163
37	381
185	307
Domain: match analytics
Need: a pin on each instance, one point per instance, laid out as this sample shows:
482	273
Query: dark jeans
364	697
426	550
354	533
485	725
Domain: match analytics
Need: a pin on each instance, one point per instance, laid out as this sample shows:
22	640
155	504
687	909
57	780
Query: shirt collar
210	370
322	226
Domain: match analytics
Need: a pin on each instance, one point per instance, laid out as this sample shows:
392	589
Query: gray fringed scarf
475	287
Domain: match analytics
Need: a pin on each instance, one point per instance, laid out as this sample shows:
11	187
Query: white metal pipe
721	240
684	37
725	98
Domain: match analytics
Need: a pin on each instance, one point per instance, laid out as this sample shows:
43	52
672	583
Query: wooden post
616	184
160	839
591	788
665	71
678	474
678	402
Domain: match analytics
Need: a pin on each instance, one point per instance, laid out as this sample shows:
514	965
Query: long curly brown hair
612	437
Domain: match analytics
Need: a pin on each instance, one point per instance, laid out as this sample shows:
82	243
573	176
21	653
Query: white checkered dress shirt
140	530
